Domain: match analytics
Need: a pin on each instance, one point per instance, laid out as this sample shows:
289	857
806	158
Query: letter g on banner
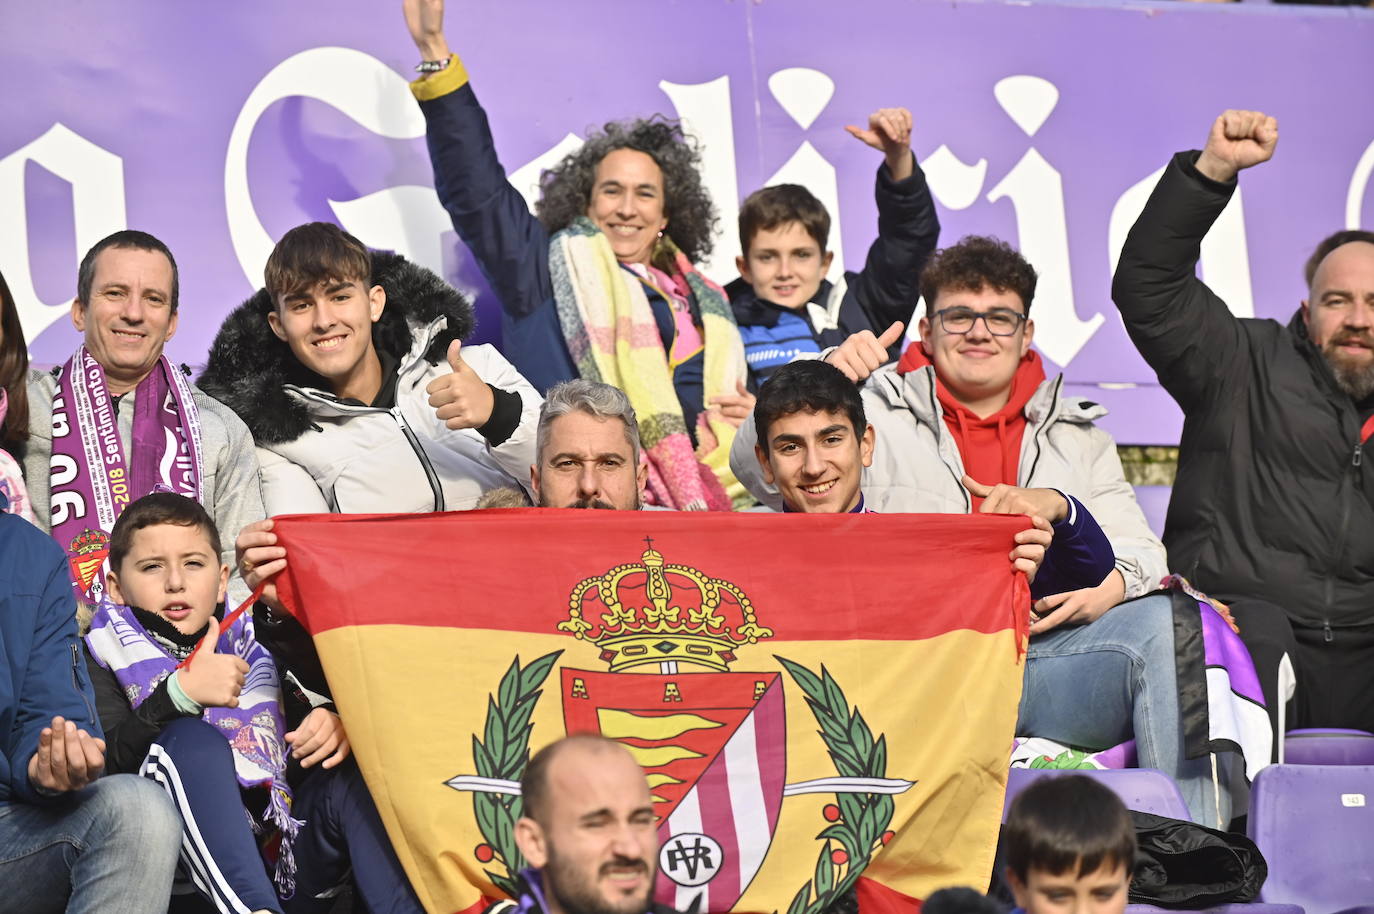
357	84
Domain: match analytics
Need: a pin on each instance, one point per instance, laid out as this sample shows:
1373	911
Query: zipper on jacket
76	684
1041	430
1356	459
433	477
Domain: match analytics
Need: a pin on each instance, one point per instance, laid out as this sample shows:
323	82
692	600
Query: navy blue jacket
511	247
885	290
1079	556
44	674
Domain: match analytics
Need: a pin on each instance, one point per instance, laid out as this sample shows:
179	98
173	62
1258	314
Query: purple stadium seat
1315	826
1328	747
1141	789
1144	790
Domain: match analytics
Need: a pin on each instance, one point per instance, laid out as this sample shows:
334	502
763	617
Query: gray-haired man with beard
589	832
1272	511
587	449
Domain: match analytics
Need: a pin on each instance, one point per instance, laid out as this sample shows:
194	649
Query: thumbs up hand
461	399
863	353
213	680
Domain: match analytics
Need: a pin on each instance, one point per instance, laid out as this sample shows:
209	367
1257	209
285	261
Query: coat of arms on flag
802	735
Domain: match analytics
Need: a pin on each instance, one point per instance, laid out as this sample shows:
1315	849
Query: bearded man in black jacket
1273	508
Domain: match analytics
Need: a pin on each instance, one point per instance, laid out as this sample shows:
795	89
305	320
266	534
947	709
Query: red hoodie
990	447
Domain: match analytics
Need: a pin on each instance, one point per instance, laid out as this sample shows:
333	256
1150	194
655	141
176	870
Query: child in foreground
217	734
1070	846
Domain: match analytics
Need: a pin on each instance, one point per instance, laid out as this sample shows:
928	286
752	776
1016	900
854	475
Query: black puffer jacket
1274	493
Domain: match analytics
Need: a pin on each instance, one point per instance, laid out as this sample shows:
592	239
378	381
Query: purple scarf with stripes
92	480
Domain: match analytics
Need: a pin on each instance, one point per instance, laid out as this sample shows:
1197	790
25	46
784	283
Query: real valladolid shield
820	704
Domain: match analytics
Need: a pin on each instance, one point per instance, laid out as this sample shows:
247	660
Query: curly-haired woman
594	286
14	405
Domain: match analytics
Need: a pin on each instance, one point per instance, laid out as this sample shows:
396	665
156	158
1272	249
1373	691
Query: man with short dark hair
119	420
589	832
1273	508
967	422
69	838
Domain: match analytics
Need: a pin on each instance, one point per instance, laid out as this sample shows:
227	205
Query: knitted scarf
255	729
16	497
613	338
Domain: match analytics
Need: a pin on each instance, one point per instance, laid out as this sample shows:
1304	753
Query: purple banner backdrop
220	127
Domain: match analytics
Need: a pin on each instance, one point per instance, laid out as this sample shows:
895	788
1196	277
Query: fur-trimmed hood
248	367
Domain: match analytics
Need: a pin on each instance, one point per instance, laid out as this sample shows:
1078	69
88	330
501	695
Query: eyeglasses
999	321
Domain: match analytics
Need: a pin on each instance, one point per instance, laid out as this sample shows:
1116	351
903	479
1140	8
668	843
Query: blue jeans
109	848
1094	686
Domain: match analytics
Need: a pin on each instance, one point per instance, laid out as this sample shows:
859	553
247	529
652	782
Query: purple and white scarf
92	480
254	730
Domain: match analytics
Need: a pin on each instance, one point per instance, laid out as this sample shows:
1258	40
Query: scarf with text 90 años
255	729
612	336
92	480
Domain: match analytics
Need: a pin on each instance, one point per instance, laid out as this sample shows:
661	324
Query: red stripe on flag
807	577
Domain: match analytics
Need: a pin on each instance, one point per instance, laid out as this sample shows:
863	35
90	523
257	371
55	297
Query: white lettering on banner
1359	183
803	93
1036	191
705	112
96	176
357	84
1225	256
409	219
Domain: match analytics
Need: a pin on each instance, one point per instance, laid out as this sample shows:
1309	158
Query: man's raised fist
1238	139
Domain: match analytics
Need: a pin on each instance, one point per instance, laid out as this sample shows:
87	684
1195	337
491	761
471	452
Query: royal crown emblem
656	612
86	555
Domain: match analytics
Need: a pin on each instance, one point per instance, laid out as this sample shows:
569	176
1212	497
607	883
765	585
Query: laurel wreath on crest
503	754
860	828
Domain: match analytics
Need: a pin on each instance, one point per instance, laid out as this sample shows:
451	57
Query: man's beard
1355	377
593	503
576	892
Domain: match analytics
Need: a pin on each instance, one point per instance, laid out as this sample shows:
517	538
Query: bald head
1340	315
564	759
589	827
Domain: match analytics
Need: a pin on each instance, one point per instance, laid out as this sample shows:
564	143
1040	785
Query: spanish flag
821	703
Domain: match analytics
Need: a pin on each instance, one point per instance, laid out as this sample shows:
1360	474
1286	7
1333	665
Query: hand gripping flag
822	704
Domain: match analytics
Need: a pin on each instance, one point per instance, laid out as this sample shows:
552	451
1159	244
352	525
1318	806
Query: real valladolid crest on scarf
92	481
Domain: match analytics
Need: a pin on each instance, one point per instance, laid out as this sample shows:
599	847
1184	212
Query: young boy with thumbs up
784	305
348	368
192	700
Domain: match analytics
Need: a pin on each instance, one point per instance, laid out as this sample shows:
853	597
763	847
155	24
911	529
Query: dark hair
566	189
313	253
771	207
14	371
807	385
128	239
1060	821
154	510
1329	244
975	263
534	783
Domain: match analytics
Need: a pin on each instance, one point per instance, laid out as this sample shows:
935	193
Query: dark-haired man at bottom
589	832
